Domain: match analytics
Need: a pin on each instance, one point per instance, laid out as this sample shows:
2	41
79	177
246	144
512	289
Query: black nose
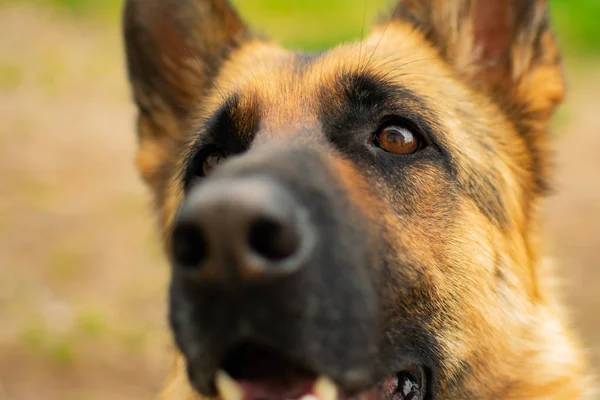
241	230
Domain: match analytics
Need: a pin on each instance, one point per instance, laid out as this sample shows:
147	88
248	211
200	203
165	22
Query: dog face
361	221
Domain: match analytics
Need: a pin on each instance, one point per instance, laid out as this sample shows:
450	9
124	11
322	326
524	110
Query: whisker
362	32
388	23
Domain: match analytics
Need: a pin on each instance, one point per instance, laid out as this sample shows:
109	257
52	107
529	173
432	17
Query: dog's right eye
398	139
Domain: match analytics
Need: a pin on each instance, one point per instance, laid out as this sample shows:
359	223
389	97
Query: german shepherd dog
361	223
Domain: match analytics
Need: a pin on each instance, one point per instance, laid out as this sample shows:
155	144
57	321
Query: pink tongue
265	389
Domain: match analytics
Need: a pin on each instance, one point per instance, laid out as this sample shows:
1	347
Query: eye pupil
397	140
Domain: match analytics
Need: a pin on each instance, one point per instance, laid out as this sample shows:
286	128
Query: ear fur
174	50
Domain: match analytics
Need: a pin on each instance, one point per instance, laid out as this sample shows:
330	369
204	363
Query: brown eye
211	162
397	139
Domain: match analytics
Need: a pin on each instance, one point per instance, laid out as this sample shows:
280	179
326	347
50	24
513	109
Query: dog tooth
309	397
227	387
325	389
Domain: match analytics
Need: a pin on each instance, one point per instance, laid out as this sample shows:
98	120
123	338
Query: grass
317	24
91	323
54	347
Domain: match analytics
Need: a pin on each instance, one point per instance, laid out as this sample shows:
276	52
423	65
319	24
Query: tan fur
511	330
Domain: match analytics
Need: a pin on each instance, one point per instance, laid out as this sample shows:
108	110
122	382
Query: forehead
288	84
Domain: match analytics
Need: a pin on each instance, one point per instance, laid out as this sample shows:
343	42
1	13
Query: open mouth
253	372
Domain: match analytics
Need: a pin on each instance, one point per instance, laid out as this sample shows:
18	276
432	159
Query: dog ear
504	48
174	50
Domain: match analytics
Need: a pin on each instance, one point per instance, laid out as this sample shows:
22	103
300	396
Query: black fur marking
230	130
361	102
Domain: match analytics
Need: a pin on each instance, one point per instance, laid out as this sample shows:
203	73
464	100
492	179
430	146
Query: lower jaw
406	385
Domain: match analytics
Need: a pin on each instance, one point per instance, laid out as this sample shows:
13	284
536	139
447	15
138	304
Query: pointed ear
174	49
504	48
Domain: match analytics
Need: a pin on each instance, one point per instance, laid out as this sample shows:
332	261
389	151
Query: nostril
188	246
273	240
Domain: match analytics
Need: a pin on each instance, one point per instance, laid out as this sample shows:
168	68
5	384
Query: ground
82	279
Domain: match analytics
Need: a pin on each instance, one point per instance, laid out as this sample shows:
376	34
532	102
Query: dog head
360	221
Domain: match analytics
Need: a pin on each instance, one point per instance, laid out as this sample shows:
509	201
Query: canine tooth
228	388
308	397
325	389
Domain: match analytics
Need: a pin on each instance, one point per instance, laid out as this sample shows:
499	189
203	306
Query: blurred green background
315	24
82	277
